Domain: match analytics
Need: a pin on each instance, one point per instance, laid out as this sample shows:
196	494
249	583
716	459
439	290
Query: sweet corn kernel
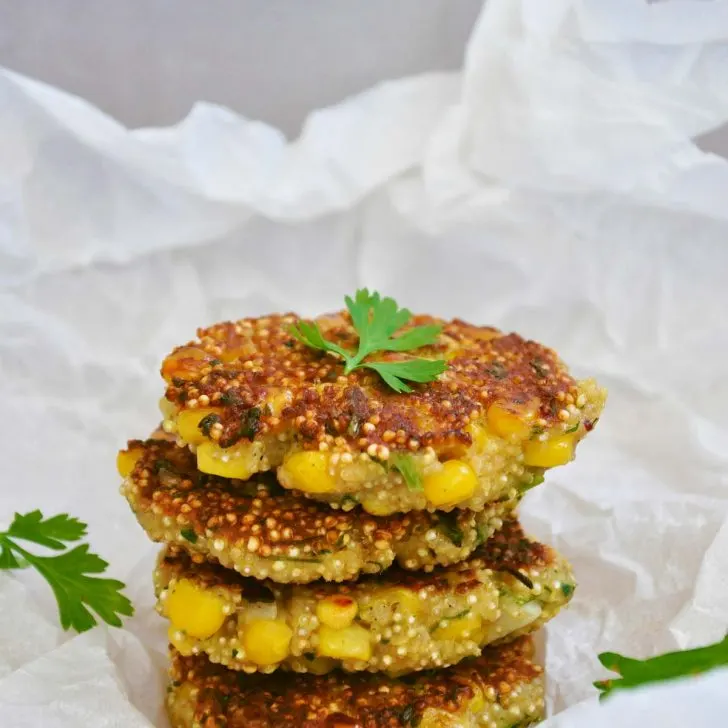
278	401
557	450
126	460
232	462
267	641
185	363
377	507
196	611
167	408
245	351
180	641
455	629
477	704
337	611
320	666
308	470
479	434
454	482
512	420
350	643
188	423
406	601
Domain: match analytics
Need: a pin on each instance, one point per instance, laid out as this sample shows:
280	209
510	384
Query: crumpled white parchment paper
552	188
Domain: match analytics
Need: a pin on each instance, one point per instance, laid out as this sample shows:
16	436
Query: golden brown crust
216	517
238	366
508	551
503	676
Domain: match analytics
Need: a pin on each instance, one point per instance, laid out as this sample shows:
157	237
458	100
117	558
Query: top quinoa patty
502	688
248	397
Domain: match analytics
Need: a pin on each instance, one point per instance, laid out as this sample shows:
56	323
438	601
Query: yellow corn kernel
185	363
245	350
188	424
377	507
308	470
232	462
408	600
195	611
320	666
180	641
405	600
267	641
454	482
167	408
278	401
454	629
350	643
512	420
477	704
557	450
126	460
337	611
480	436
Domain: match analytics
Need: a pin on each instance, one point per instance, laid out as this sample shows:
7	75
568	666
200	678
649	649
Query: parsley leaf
405	464
376	320
67	573
669	666
50	532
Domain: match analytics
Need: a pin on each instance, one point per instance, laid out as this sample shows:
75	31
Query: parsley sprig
67	573
376	320
670	666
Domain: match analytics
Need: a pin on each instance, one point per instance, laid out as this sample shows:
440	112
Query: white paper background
551	188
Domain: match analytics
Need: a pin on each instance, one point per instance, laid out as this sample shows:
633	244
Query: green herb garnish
250	422
207	422
349	500
188	535
450	618
521	577
537	479
670	666
497	370
163	464
376	319
541	370
573	428
448	524
404	463
409	717
67	573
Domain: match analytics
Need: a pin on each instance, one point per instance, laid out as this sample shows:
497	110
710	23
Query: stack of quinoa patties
339	554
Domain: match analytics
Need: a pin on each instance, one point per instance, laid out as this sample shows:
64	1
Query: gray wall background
146	62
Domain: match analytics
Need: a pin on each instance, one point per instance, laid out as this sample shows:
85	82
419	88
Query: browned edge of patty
236	366
261	513
339	699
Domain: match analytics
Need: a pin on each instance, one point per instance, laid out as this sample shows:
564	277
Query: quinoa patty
397	622
502	688
248	397
261	530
